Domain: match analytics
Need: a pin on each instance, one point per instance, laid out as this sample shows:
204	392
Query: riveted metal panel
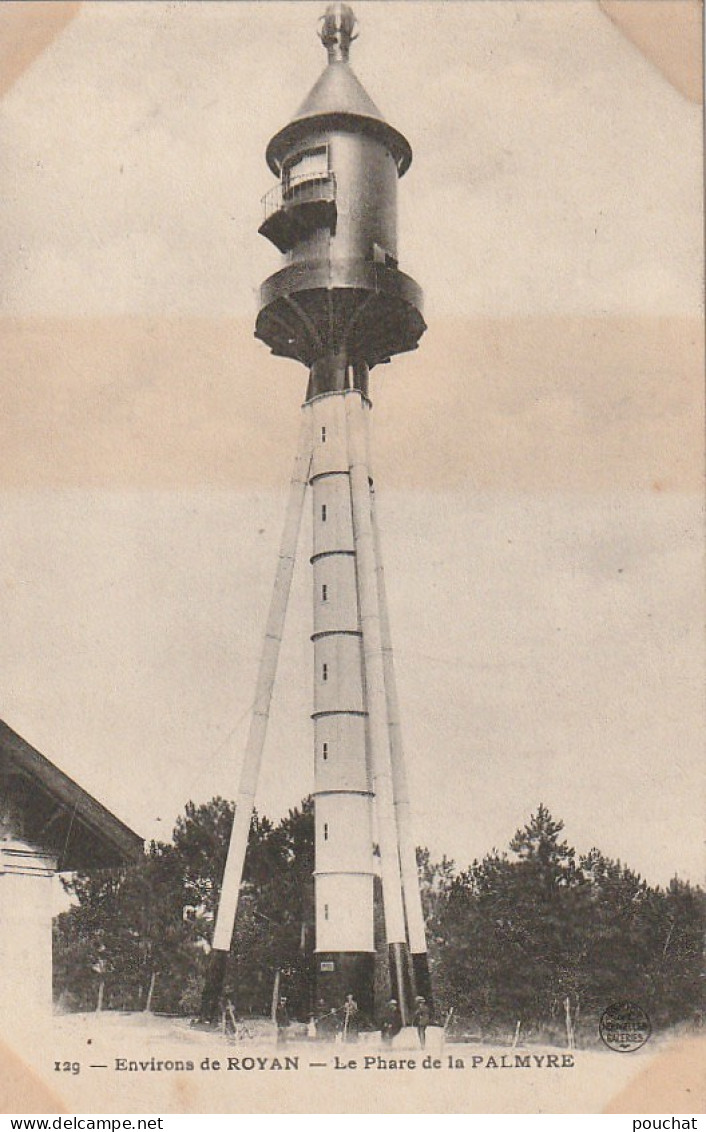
335	596
344	913
330	450
366	196
344	840
338	674
340	759
333	522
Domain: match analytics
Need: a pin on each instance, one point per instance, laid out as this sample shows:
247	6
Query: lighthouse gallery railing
304	189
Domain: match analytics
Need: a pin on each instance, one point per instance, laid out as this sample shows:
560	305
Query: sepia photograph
351	497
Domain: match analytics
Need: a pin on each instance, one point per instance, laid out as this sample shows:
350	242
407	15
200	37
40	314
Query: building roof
57	815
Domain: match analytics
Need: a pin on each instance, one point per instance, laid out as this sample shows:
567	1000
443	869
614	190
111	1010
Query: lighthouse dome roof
338	89
338	100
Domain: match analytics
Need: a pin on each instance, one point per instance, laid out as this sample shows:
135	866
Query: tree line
518	941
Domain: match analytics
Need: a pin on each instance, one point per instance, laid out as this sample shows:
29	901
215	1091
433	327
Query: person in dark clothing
351	1020
422	1018
391	1021
327	1023
281	1020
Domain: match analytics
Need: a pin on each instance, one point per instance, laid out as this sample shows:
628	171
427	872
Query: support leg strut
378	735
408	857
250	771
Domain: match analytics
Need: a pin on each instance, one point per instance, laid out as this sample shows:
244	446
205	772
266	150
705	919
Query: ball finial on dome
338	31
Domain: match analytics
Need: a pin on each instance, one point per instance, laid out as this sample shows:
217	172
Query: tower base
422	978
339	973
212	993
400	982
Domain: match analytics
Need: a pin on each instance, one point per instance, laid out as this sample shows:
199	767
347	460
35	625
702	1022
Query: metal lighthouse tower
340	306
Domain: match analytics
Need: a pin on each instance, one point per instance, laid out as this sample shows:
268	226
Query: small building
48	824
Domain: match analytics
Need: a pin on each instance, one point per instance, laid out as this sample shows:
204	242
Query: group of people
345	1020
392	1020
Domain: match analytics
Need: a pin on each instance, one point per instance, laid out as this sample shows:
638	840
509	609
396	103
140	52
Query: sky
538	460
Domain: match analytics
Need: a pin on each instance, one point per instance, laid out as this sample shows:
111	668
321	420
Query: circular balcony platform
369	310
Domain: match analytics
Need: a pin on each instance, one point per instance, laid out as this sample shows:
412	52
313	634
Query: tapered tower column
345	942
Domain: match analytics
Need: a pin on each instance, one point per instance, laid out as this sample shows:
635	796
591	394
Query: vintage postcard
351	481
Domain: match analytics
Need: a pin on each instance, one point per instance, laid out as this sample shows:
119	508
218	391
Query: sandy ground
79	1063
